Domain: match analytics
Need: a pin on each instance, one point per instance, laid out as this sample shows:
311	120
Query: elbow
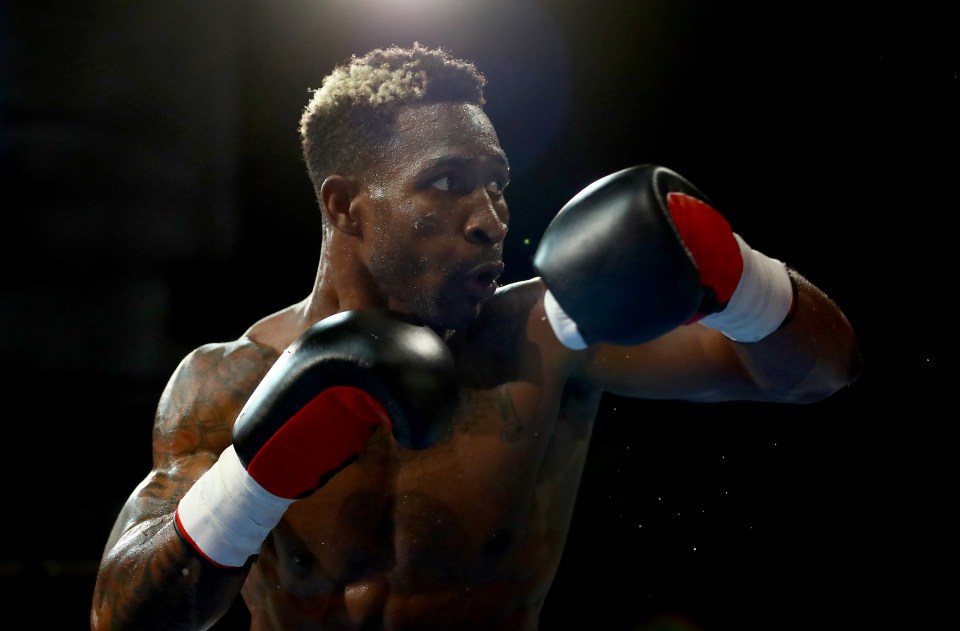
812	379
99	614
830	378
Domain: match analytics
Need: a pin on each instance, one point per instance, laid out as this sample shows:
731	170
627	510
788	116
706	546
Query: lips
481	281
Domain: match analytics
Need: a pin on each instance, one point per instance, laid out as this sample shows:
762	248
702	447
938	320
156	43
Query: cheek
414	241
385	225
398	252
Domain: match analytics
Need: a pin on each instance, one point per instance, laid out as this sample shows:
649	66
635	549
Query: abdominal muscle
467	534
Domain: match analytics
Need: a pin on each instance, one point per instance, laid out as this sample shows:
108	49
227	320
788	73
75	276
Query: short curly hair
350	117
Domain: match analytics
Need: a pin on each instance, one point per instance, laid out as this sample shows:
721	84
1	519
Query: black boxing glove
310	416
640	252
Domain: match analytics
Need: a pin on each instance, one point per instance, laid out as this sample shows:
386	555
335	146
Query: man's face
433	241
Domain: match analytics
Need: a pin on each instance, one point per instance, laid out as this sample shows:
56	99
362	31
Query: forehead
428	132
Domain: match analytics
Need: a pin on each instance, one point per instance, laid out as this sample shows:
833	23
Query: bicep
154	500
183	450
193	425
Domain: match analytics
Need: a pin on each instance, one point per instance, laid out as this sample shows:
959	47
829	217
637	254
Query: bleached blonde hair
350	117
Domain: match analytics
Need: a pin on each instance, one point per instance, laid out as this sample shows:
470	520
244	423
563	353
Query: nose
487	222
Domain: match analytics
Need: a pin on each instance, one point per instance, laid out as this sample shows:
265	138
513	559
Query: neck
342	282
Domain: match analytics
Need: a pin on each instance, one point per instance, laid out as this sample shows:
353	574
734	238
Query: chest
464	505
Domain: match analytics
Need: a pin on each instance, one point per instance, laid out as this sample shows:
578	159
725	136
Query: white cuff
760	302
563	325
226	514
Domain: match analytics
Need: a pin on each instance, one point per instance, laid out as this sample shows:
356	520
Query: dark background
154	199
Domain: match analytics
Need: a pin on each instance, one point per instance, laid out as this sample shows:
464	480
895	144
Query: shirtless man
402	448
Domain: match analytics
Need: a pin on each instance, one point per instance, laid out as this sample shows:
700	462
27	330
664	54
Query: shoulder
509	311
220	364
237	365
523	303
517	299
206	392
513	328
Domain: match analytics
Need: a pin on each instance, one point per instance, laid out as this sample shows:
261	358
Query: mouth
481	281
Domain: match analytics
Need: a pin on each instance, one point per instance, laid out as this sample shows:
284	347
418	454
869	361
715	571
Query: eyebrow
461	161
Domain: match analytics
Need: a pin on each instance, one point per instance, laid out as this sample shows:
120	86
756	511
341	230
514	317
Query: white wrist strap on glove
563	325
761	301
226	514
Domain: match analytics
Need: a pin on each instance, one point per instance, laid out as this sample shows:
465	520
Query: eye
442	183
453	183
463	184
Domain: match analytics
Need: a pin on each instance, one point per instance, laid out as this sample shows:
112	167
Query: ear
337	195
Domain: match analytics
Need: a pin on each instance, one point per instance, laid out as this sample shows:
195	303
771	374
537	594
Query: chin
454	317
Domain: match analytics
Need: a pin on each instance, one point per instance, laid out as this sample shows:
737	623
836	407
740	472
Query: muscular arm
813	355
149	578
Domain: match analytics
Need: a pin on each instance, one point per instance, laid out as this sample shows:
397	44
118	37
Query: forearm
151	579
812	355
